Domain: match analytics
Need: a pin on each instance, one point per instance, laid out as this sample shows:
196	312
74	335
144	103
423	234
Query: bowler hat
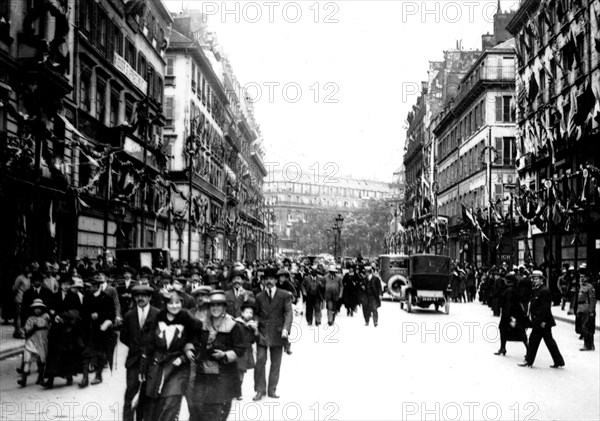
211	279
77	282
238	272
271	273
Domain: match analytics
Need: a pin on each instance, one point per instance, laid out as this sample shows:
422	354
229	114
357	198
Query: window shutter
498	108
499	150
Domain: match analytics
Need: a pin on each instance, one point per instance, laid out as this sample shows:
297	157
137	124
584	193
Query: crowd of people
191	331
194	331
522	299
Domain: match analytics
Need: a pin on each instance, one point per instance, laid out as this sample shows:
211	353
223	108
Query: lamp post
511	222
488	157
179	222
337	227
465	237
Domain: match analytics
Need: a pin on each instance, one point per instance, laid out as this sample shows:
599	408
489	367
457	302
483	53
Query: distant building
293	197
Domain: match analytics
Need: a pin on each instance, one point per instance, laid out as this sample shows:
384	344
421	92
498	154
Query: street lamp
179	222
337	227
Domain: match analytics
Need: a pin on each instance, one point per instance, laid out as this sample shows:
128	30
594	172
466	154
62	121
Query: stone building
292	195
558	124
216	151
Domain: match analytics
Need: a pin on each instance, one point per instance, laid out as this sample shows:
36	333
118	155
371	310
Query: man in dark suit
542	321
238	295
98	317
274	313
135	328
372	292
36	291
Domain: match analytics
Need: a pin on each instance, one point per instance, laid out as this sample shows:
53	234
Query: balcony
482	75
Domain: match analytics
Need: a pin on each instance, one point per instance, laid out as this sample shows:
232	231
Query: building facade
558	118
292	196
479	124
216	151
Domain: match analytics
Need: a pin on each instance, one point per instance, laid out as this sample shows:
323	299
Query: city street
417	366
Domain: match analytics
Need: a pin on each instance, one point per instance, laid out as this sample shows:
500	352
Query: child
250	333
36	344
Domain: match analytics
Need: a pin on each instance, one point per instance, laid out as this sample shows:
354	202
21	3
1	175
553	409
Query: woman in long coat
166	364
350	294
217	377
513	320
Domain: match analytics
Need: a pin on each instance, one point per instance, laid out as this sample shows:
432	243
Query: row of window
106	36
505	112
542	28
317	201
323	190
472	161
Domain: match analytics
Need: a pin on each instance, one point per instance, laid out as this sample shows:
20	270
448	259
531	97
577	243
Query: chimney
487	42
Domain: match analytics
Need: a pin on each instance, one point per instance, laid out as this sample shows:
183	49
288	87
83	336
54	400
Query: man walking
586	309
274	313
334	289
136	326
313	288
372	293
237	296
542	322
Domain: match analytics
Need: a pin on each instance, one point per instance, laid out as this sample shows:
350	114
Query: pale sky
349	67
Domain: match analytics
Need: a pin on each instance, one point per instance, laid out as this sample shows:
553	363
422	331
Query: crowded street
417	366
299	210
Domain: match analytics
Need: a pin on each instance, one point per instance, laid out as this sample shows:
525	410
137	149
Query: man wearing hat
372	292
274	313
123	287
313	286
334	289
542	322
99	317
586	308
65	338
238	295
134	331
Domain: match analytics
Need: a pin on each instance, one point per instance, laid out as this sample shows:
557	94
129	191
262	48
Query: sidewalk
570	318
9	346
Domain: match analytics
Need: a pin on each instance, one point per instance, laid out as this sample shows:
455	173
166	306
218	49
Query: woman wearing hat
165	364
36	344
512	319
221	345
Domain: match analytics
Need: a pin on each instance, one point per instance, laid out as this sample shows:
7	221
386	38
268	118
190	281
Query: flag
585	104
51	222
534	89
468	215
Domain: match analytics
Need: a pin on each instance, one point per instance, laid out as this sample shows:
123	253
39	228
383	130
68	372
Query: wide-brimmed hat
142	289
201	290
218	297
511	278
283	272
538	274
333	268
37	303
271	273
77	282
